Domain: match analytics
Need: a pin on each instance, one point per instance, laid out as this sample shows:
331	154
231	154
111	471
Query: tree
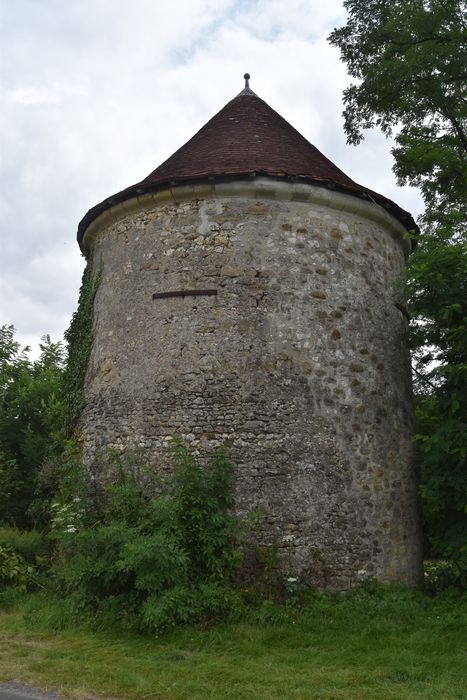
31	419
409	56
437	296
409	59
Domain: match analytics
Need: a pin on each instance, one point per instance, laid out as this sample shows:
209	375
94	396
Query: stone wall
298	359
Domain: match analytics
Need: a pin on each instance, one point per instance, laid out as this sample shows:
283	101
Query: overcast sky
96	93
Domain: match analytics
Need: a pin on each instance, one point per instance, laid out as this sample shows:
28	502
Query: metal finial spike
247	92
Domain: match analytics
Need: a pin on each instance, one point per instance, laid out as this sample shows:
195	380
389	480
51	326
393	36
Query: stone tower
247	294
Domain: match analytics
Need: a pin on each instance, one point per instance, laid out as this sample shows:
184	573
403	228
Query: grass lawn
393	645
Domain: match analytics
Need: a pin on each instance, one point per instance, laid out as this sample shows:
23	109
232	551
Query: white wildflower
288	538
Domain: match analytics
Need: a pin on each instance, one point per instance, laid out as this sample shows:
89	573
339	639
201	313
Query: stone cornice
254	188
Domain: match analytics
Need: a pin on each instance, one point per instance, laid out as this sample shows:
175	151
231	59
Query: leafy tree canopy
31	419
409	57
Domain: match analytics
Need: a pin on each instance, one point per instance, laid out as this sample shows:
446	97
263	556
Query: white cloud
97	93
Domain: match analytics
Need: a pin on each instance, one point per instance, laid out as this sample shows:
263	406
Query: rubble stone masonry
296	356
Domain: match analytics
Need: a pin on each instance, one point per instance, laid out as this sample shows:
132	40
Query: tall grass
385	643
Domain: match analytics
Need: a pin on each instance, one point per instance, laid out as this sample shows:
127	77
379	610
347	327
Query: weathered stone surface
298	361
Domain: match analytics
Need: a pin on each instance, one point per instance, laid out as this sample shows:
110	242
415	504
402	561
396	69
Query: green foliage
202	500
182	604
439	575
14	571
437	296
39	403
79	337
152	561
29	544
409	59
24	560
67	479
31	410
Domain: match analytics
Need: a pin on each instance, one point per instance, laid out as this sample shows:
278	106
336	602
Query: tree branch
442	39
457	128
423	378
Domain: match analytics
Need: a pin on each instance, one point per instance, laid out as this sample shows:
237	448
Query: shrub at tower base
151	562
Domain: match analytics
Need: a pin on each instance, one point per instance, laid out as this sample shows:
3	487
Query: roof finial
246	90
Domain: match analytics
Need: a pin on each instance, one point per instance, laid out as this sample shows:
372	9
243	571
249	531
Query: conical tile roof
247	137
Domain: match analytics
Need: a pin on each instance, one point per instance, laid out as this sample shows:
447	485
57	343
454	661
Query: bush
182	605
14	571
31	545
154	561
441	575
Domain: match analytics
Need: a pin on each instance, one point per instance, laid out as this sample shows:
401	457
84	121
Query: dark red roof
247	137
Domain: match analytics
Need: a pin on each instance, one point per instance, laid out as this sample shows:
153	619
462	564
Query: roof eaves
400	214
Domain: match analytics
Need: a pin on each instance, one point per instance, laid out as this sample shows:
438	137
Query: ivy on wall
79	337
